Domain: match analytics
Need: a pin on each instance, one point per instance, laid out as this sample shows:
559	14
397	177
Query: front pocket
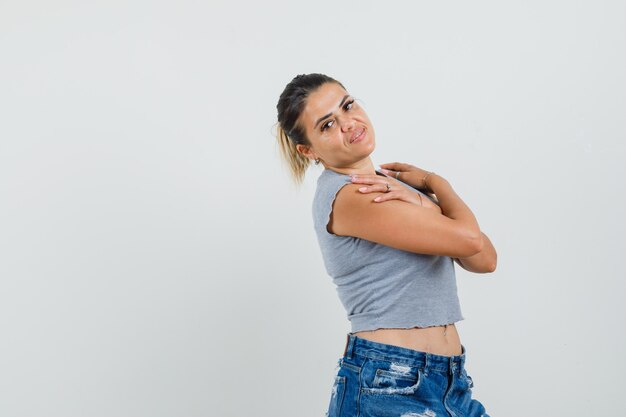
385	380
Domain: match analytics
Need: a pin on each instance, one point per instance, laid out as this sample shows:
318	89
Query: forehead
322	101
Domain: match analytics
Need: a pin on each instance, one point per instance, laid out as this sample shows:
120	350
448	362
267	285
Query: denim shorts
378	380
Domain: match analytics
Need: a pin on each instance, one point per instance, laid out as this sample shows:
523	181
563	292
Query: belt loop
451	365
347	353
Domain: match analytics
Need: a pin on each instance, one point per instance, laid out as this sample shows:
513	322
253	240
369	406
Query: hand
396	191
408	174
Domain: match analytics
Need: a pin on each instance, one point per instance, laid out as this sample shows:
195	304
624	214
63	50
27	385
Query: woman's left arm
484	261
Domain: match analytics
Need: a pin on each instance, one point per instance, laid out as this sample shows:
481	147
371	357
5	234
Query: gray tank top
380	286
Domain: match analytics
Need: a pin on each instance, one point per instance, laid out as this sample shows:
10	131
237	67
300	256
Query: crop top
380	286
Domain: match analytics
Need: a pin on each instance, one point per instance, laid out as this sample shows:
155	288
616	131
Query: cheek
334	142
363	115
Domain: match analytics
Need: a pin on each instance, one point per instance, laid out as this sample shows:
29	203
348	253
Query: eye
346	107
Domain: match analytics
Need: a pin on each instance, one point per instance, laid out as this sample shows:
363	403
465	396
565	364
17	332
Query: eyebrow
343	100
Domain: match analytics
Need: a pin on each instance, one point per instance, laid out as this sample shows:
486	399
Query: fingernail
362	188
377	199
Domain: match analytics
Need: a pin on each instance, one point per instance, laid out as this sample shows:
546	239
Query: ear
306	151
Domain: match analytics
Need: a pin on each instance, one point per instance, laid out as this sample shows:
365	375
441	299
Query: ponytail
296	162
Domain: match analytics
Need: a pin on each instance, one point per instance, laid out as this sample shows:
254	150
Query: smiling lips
358	135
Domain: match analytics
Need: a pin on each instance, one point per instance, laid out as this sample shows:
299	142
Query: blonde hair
296	162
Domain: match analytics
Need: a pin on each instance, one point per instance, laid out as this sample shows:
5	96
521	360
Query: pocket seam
392	374
392	390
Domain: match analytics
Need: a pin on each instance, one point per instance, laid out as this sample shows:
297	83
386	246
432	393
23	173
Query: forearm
451	204
484	261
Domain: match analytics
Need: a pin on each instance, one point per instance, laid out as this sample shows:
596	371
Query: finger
388	172
394	174
379	188
386	197
397	195
367	179
365	176
396	166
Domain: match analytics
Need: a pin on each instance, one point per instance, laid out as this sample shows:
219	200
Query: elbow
475	245
486	267
493	263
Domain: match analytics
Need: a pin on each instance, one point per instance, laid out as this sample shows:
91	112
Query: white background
156	260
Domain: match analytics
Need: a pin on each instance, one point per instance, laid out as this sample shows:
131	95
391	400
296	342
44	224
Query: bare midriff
439	340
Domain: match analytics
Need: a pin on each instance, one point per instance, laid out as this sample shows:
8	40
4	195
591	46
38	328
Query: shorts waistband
359	347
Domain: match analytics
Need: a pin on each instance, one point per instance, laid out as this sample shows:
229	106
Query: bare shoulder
397	224
346	197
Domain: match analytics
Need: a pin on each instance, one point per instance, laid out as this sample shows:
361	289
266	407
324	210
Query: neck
363	167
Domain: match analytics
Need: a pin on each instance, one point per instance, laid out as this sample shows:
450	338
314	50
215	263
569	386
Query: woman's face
338	128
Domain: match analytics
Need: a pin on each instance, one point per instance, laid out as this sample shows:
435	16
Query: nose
347	124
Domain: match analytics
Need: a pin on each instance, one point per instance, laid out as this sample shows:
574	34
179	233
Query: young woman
389	239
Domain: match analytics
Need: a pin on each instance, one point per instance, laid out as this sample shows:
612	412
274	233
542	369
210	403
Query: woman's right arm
454	232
